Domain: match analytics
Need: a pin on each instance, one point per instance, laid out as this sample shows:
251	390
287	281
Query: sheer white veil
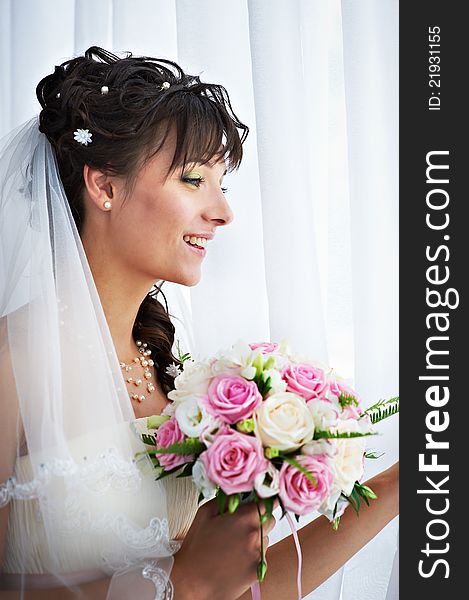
61	383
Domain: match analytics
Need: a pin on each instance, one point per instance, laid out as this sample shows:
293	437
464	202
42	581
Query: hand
219	556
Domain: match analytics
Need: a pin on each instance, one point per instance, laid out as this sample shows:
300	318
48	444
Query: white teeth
199	241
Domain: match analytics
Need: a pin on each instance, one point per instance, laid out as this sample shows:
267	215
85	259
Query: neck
121	310
121	297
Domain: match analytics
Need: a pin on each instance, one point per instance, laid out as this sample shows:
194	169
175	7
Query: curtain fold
312	253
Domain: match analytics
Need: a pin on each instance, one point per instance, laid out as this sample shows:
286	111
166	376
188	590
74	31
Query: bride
114	189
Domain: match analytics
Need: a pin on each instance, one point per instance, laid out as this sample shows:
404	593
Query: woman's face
151	232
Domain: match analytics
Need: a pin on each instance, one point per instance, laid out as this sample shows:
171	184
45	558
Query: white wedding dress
109	529
81	504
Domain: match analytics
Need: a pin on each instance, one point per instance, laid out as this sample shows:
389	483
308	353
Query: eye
197	181
193	180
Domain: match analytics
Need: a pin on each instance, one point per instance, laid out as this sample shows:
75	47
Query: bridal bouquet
257	422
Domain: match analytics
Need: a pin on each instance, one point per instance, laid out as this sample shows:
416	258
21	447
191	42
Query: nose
218	211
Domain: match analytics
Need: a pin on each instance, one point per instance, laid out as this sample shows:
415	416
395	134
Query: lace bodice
106	521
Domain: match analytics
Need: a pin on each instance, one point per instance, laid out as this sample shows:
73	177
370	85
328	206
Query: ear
99	186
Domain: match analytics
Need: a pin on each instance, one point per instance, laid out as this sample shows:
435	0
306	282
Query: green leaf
335	509
233	502
354	499
269	506
294	463
365	492
248	496
188	446
187	471
156	421
258	364
347	400
261	570
361	492
320	435
166	473
264	385
271	452
245	426
383	409
284	512
182	357
221	500
373	454
148	439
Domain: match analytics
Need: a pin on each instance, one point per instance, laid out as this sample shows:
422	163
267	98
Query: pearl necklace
144	361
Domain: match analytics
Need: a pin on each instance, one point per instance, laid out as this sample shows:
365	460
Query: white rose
283	421
209	434
276	382
169	409
325	414
364	424
327	447
328	505
348	464
248	373
201	479
267	484
235	360
192	416
192	381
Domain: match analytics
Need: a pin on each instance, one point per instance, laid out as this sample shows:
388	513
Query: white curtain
312	253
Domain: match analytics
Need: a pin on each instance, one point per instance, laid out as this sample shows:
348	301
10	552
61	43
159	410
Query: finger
270	524
209	508
275	504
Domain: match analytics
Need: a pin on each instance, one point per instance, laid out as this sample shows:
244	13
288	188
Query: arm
96	590
325	550
9	434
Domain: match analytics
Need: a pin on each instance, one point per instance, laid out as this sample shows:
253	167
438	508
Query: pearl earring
107	205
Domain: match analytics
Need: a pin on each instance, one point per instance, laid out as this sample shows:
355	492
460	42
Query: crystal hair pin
165	85
173	370
83	136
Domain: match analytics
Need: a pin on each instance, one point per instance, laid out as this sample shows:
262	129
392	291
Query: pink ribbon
256	588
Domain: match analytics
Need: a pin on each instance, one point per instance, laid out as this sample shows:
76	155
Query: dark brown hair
129	125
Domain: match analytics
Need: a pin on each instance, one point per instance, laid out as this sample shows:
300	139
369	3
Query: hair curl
130	124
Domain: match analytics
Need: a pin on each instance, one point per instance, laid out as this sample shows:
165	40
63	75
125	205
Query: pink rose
352	410
169	433
267	347
297	492
232	398
305	380
234	460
